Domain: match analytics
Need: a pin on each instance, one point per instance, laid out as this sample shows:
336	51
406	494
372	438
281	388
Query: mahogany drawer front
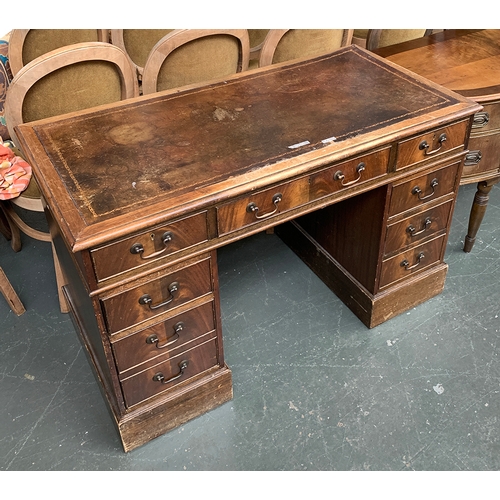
157	243
483	155
158	296
170	372
417	227
411	261
262	205
486	120
349	173
165	338
431	144
423	189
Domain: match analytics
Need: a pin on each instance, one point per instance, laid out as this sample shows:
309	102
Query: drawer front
349	173
158	296
431	145
483	155
169	373
486	120
411	261
428	187
416	228
165	338
262	205
149	246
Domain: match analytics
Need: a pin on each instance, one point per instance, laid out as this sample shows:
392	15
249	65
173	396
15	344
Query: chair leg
10	295
9	228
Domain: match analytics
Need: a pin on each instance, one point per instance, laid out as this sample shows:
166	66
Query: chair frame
373	38
22	82
179	37
16	44
57	59
269	45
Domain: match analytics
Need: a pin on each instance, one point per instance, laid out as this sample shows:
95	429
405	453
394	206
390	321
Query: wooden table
468	62
353	161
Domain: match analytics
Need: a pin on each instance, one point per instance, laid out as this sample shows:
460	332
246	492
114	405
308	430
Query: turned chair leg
478	210
10	295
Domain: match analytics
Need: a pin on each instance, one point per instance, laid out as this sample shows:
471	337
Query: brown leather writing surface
159	148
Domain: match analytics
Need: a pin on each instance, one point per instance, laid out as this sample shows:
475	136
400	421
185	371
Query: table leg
478	210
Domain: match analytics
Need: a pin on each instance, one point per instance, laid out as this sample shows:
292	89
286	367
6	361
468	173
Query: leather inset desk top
161	147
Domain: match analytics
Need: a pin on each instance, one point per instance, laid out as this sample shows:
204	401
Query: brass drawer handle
159	377
480	119
339	175
147	300
424	145
407	266
413	231
253	208
153	339
417	191
137	248
472	158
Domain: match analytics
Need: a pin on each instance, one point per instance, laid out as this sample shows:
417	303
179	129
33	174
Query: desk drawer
411	261
158	296
431	145
349	173
417	227
169	373
423	189
486	120
262	205
483	155
168	337
155	244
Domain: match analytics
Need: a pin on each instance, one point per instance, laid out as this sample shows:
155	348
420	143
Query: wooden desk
353	161
468	62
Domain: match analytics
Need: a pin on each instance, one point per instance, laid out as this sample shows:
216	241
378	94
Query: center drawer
262	205
155	297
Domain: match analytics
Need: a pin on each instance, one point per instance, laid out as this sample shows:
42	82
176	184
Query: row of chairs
111	65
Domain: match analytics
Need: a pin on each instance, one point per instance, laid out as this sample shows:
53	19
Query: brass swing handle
148	301
424	145
153	339
253	208
138	248
339	175
407	266
418	192
413	231
159	377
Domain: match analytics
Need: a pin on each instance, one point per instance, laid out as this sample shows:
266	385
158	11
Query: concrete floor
314	389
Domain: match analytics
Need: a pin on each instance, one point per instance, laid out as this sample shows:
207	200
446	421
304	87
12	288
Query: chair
26	45
137	44
284	45
185	57
65	80
376	39
257	38
10	294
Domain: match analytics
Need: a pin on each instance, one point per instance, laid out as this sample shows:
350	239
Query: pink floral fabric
15	174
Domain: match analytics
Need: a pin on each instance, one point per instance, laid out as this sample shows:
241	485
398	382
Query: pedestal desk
468	62
355	162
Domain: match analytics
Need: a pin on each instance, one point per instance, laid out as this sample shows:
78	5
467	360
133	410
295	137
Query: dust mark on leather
131	133
221	114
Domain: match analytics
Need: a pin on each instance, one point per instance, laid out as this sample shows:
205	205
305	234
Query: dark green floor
313	388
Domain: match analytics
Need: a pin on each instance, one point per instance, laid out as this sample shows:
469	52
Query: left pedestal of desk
153	337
